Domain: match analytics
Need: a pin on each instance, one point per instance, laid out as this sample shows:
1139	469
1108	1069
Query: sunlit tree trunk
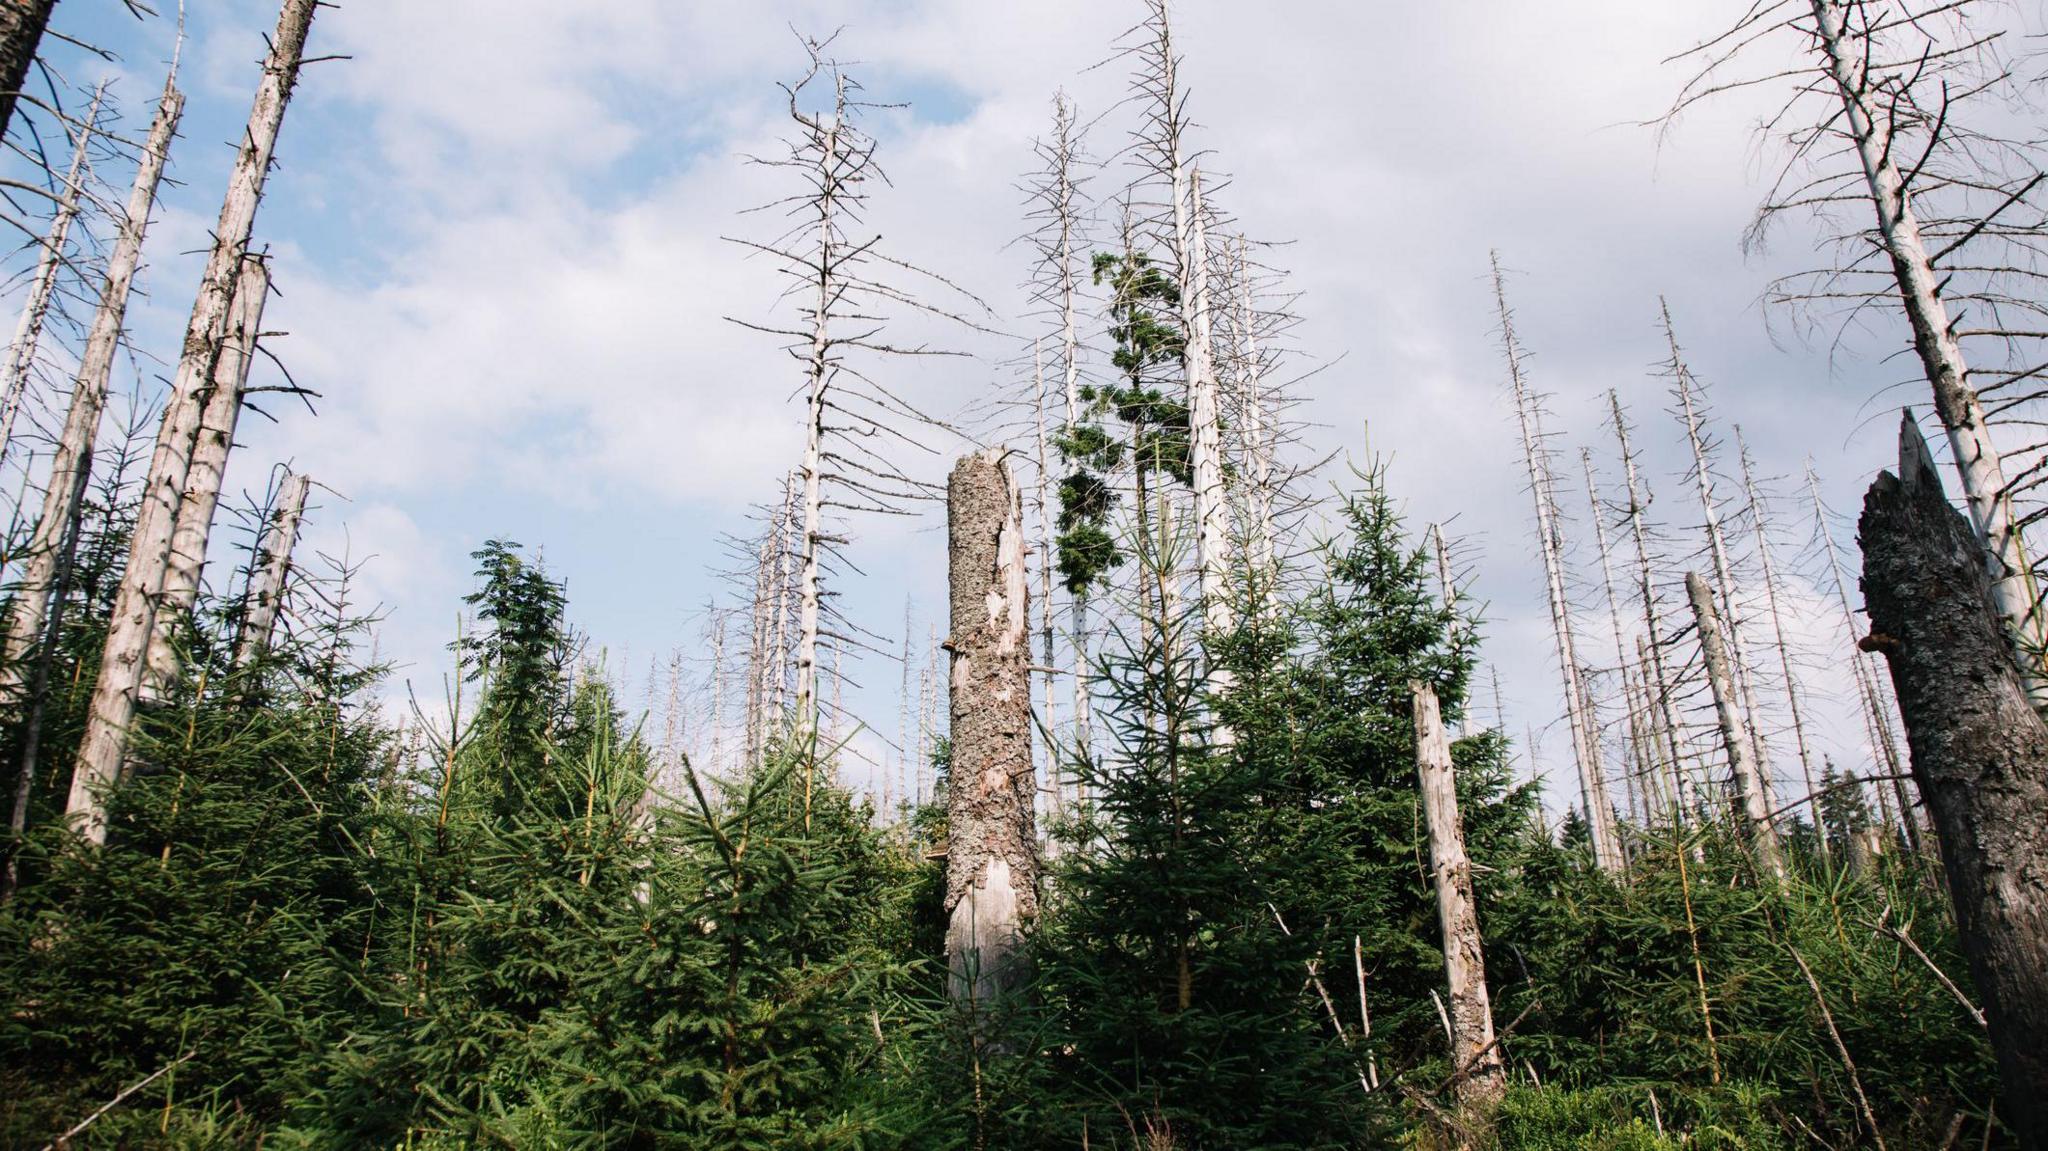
1753	811
102	751
270	577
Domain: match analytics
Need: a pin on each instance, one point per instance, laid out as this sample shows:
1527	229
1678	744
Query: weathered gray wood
105	745
991	860
193	527
35	308
270	578
71	466
1585	730
1753	810
1979	752
1473	1052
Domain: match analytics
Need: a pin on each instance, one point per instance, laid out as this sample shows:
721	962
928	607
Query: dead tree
1475	1058
1740	667
42	288
991	860
1634	763
1931	215
103	750
194	524
1760	527
271	573
1752	809
845	291
22	23
1650	648
1550	538
71	466
1164	143
1979	754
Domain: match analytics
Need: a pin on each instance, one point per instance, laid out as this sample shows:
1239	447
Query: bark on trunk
71	466
1753	811
1473	1053
1979	752
991	862
273	570
1205	430
102	751
22	23
193	527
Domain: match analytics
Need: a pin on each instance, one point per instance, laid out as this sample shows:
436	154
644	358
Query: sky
498	229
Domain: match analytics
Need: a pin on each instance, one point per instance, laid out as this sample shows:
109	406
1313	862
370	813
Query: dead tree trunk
268	581
991	861
102	751
194	525
1753	811
1584	730
42	288
1474	1056
71	466
1979	754
1724	572
1760	525
1650	654
1977	460
22	23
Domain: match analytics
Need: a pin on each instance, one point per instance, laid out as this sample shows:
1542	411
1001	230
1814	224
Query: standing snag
22	23
1475	1058
105	746
1753	811
1979	753
991	861
268	581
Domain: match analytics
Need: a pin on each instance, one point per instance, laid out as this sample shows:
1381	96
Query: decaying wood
104	747
193	526
42	288
1979	752
71	466
1471	1010
271	577
1753	811
1584	730
991	861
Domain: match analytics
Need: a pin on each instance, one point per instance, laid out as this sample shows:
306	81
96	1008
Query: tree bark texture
22	23
991	862
1979	753
105	745
1473	1053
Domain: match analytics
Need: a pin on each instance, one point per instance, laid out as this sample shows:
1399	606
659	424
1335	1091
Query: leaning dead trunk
1753	812
1979	753
71	466
991	865
1985	488
194	525
42	288
270	578
1475	1061
22	23
102	751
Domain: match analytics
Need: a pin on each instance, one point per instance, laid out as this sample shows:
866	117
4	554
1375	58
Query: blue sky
497	234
